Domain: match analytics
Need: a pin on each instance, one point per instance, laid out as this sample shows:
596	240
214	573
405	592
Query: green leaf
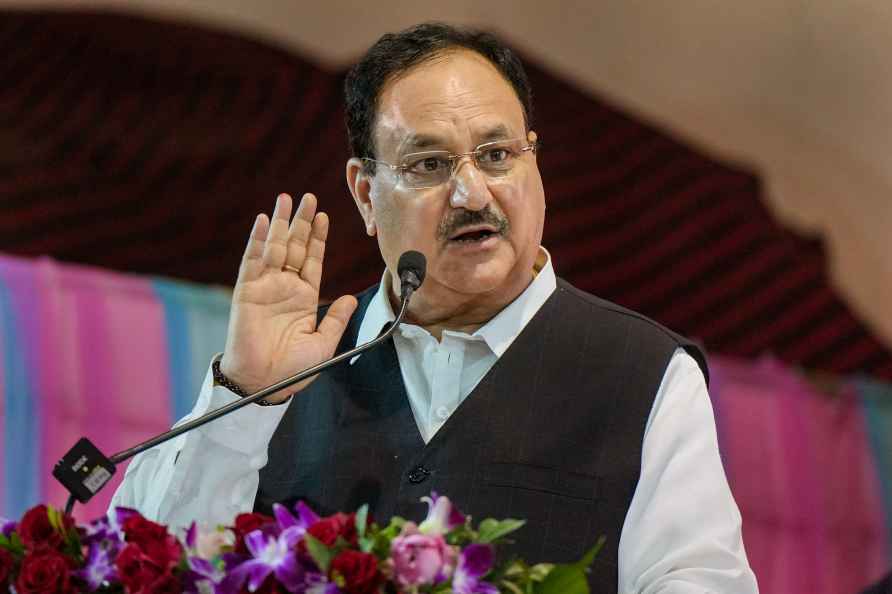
461	536
320	553
514	568
487	525
540	571
510	587
13	544
589	557
563	579
55	518
362	515
491	530
570	578
384	536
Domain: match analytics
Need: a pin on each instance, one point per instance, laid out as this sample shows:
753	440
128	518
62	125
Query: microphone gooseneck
411	270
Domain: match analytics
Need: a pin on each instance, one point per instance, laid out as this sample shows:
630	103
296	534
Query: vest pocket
554	481
559	507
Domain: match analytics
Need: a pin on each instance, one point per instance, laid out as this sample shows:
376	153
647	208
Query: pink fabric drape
801	469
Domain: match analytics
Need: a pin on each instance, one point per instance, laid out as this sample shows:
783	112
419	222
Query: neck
458	313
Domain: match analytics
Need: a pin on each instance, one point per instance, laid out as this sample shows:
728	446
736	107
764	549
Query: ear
360	187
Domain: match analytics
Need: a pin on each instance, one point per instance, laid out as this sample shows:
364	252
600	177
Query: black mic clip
84	470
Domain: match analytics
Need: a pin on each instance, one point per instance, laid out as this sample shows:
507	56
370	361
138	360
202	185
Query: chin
478	279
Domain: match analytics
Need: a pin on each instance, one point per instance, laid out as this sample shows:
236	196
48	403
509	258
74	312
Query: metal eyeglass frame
453	160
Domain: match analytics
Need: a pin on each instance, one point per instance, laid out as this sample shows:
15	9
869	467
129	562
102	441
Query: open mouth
474	234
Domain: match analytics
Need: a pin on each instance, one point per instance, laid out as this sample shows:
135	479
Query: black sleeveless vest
552	434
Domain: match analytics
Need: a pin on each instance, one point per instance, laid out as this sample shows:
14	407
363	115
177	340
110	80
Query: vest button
418	474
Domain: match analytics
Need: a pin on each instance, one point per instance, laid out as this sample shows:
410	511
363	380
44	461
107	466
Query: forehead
454	99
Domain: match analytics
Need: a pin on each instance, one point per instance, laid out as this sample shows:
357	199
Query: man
507	389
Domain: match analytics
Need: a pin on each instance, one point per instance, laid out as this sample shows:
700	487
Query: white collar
498	333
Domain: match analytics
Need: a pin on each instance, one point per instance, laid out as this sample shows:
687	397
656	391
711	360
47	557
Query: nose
469	188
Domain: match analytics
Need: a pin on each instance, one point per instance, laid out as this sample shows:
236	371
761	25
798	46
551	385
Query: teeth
474	235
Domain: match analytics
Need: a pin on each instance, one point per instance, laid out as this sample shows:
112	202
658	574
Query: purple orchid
192	536
270	555
317	584
109	529
474	562
7	526
121	515
203	577
99	530
305	517
104	539
99	566
442	516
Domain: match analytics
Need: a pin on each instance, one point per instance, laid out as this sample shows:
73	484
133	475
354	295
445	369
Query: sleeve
682	533
209	474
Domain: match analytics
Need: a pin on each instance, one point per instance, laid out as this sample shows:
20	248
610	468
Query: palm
273	331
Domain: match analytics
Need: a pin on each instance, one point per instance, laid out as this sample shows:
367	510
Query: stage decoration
296	550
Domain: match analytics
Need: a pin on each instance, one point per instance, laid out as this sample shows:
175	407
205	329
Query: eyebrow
497	132
422	141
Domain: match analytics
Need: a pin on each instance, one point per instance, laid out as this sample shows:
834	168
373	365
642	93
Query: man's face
455	103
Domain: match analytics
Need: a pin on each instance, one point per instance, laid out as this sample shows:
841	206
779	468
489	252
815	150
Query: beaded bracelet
221	380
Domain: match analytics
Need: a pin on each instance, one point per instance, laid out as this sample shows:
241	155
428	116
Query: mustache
465	218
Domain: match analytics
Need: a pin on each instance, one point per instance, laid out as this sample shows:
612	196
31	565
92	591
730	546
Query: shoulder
639	331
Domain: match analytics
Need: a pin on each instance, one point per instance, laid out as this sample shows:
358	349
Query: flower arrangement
294	551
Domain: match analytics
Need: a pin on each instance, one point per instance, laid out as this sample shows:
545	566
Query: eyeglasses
429	169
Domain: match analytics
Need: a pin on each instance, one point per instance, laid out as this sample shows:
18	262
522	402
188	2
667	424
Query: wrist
221	379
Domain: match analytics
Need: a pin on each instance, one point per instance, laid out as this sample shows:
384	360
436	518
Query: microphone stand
407	289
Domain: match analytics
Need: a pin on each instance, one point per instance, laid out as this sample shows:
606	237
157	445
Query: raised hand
272	324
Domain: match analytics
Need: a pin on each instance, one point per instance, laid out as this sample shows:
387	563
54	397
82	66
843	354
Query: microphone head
411	268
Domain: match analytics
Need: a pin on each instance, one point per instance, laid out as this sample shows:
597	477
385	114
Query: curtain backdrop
89	353
117	358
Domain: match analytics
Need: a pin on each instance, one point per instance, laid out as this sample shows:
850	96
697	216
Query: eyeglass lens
432	168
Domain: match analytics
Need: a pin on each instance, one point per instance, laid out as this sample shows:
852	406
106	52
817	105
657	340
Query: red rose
44	572
136	570
359	570
166	584
244	525
153	541
327	530
36	531
7	562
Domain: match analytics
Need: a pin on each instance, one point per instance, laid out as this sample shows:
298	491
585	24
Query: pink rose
421	559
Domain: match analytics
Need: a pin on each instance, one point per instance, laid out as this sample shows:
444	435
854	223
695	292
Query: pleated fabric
87	352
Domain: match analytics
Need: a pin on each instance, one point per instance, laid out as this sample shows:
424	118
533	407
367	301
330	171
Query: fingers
252	262
300	232
276	249
274	243
311	271
335	321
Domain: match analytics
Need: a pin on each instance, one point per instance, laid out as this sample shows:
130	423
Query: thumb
335	321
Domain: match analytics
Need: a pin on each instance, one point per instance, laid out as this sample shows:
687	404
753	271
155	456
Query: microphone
411	269
84	470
